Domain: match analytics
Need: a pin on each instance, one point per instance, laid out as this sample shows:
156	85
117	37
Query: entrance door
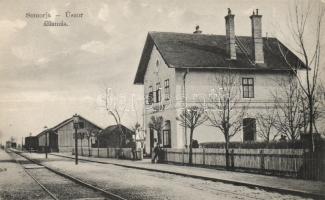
249	129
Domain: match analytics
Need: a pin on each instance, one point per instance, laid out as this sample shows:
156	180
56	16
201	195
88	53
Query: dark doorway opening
151	140
249	129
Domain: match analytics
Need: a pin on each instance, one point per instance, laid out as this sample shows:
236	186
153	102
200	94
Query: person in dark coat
134	150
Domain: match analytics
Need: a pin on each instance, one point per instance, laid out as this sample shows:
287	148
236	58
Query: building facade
47	139
179	70
66	131
61	137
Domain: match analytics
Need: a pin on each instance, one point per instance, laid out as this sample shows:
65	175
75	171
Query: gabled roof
201	51
70	120
65	122
43	132
110	129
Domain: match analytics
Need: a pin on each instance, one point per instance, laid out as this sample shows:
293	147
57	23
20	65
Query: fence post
107	152
203	156
183	152
232	159
262	160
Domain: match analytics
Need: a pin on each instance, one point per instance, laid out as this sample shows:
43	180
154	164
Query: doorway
249	129
152	142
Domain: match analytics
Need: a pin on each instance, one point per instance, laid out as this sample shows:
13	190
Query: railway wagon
31	143
10	144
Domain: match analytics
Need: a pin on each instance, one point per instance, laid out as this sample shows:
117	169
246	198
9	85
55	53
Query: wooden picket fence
284	162
122	153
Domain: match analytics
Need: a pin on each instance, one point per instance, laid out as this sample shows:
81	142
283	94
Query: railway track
219	190
268	189
229	193
59	185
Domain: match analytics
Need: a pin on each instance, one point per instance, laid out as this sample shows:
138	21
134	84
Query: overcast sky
49	73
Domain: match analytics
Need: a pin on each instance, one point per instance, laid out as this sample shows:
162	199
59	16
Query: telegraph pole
76	126
45	127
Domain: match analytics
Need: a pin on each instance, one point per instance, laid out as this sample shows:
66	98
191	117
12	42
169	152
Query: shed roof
65	122
202	51
110	129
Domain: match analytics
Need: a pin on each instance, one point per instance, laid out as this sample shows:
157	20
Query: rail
72	178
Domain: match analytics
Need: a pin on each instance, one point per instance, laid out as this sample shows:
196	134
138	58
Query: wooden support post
262	160
203	156
232	159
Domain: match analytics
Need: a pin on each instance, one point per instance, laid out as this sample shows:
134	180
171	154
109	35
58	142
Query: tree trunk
227	151
159	136
311	123
191	147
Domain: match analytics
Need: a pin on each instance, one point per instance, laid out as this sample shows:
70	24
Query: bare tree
266	121
304	14
226	110
157	124
192	117
288	101
116	111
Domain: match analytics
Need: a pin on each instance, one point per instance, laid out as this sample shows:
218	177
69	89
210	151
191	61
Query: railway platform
306	188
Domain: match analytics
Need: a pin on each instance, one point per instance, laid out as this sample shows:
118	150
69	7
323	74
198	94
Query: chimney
230	35
257	45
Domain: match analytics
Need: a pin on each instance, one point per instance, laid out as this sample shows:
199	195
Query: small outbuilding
61	137
115	136
65	132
